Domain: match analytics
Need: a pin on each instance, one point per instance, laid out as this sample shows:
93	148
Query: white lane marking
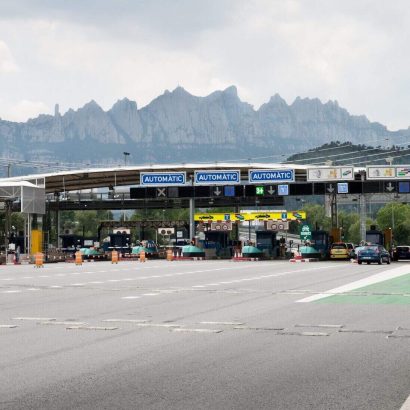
8	279
198	286
62	323
321	325
7	326
60	274
113	280
90	328
197	330
223	323
37	319
77	284
96	282
277	274
150	294
55	287
370	280
33	289
166	325
11	291
406	404
130	297
44	276
27	277
126	320
303	333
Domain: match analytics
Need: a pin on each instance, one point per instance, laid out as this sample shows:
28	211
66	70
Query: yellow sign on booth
252	216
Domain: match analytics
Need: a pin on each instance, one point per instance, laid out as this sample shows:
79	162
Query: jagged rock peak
91	106
231	91
180	91
275	99
124	103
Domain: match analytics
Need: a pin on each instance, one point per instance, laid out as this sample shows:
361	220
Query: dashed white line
196	330
37	319
130	297
126	320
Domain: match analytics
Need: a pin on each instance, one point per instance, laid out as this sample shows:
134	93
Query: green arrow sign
305	232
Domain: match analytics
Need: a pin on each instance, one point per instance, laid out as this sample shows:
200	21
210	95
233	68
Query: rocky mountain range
180	127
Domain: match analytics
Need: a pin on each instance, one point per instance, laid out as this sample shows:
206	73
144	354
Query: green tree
392	215
316	216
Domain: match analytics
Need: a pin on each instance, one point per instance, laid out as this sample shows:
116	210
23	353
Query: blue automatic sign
258	176
228	177
162	178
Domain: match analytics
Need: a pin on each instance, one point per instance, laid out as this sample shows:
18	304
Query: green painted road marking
392	291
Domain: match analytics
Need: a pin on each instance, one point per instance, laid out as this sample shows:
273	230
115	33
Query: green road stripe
392	291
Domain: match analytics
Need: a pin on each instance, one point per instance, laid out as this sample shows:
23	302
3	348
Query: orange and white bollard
142	256
78	258
114	257
39	260
170	255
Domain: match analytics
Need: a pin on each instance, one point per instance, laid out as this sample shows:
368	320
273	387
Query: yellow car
340	250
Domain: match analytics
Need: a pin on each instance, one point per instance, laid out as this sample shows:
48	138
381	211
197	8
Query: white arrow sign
271	190
330	188
389	187
217	191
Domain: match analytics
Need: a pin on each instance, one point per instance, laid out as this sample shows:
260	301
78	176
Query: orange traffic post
39	260
142	256
170	256
78	258
114	257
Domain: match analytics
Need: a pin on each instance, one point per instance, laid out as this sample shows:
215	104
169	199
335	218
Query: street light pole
126	154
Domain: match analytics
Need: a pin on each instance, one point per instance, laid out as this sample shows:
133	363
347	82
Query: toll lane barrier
114	257
243	259
189	258
39	260
78	258
304	260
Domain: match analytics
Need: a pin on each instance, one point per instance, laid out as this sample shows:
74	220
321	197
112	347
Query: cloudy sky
69	52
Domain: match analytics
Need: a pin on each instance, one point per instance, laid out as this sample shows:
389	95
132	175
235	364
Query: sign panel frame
378	172
330	174
251	216
217	177
271	176
162	179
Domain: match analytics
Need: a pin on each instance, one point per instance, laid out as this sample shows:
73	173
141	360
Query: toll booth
217	244
118	241
321	242
266	241
375	236
71	242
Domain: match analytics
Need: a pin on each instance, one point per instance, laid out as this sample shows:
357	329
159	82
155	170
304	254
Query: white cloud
353	52
24	109
7	63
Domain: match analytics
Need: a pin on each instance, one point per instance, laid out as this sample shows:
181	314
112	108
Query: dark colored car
373	253
401	252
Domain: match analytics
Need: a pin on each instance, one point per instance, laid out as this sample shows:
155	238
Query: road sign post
305	232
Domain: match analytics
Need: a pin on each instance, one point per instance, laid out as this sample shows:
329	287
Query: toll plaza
234	186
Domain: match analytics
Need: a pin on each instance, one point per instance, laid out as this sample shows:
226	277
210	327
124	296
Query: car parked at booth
340	250
401	252
373	253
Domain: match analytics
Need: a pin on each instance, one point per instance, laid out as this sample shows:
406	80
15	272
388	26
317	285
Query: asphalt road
199	335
